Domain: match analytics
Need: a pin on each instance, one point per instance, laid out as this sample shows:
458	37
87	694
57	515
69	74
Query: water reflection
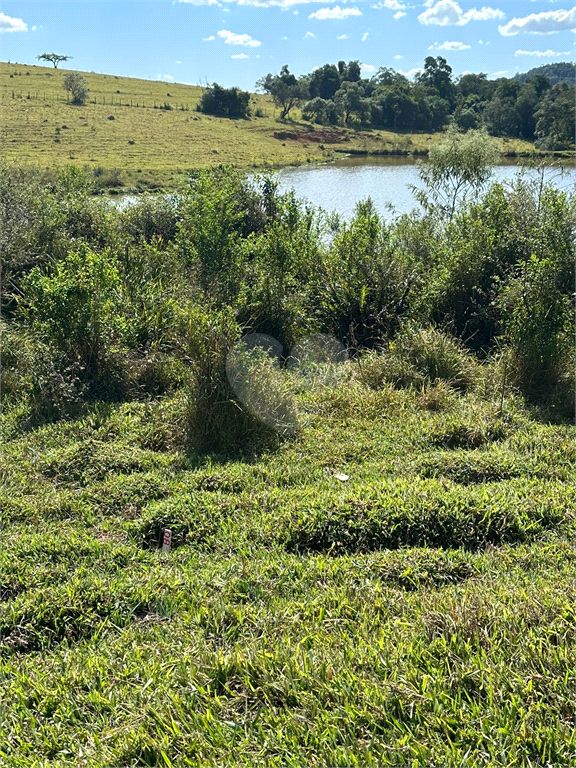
338	187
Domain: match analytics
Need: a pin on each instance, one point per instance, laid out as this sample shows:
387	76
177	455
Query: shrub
363	287
151	217
216	420
75	307
418	356
77	85
538	322
225	102
37	374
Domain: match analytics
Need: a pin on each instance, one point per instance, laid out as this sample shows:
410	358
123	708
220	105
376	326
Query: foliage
538	320
74	306
77	86
461	163
554	118
225	102
286	90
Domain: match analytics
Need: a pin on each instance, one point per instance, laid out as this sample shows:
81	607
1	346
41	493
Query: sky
236	42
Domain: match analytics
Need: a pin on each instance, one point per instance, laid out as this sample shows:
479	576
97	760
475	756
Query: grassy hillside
151	146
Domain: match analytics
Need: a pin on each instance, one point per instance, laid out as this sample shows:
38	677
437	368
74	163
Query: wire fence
106	100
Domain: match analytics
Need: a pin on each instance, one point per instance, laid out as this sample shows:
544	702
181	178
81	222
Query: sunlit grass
412	615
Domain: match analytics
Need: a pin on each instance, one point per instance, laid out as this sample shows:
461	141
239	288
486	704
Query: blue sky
235	42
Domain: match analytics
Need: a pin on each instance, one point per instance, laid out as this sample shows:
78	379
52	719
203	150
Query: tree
324	82
286	91
501	117
460	162
77	85
315	109
386	76
353	72
437	76
55	58
351	99
555	118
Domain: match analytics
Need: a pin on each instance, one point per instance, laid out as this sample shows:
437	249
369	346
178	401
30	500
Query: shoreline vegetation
138	135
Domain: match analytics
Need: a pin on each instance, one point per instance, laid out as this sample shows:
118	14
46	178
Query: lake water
338	187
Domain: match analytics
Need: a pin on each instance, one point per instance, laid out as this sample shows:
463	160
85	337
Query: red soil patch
317	137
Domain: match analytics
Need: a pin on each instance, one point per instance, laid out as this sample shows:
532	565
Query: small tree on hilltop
55	58
76	85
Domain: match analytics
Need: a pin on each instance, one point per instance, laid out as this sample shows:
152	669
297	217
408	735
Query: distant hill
562	72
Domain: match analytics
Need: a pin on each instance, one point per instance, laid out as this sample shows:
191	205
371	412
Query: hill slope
126	126
560	72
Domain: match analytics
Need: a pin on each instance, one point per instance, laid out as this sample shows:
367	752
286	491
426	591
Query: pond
339	186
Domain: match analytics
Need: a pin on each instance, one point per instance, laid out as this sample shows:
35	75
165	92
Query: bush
37	374
74	306
151	217
419	356
77	85
216	419
225	102
538	321
364	285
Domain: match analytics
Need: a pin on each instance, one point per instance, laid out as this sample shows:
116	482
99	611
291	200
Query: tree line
336	94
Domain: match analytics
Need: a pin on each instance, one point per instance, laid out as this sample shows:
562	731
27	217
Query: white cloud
165	78
392	5
283	38
335	13
449	45
308	36
365	36
342	37
398	56
500	72
399	14
283	4
230	38
367	68
10	24
448	13
240	56
411	72
543	54
544	23
208	38
178	62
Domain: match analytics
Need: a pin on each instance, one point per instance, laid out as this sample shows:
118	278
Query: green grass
420	613
144	148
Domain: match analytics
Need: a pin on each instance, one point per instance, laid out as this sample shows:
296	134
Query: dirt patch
317	137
